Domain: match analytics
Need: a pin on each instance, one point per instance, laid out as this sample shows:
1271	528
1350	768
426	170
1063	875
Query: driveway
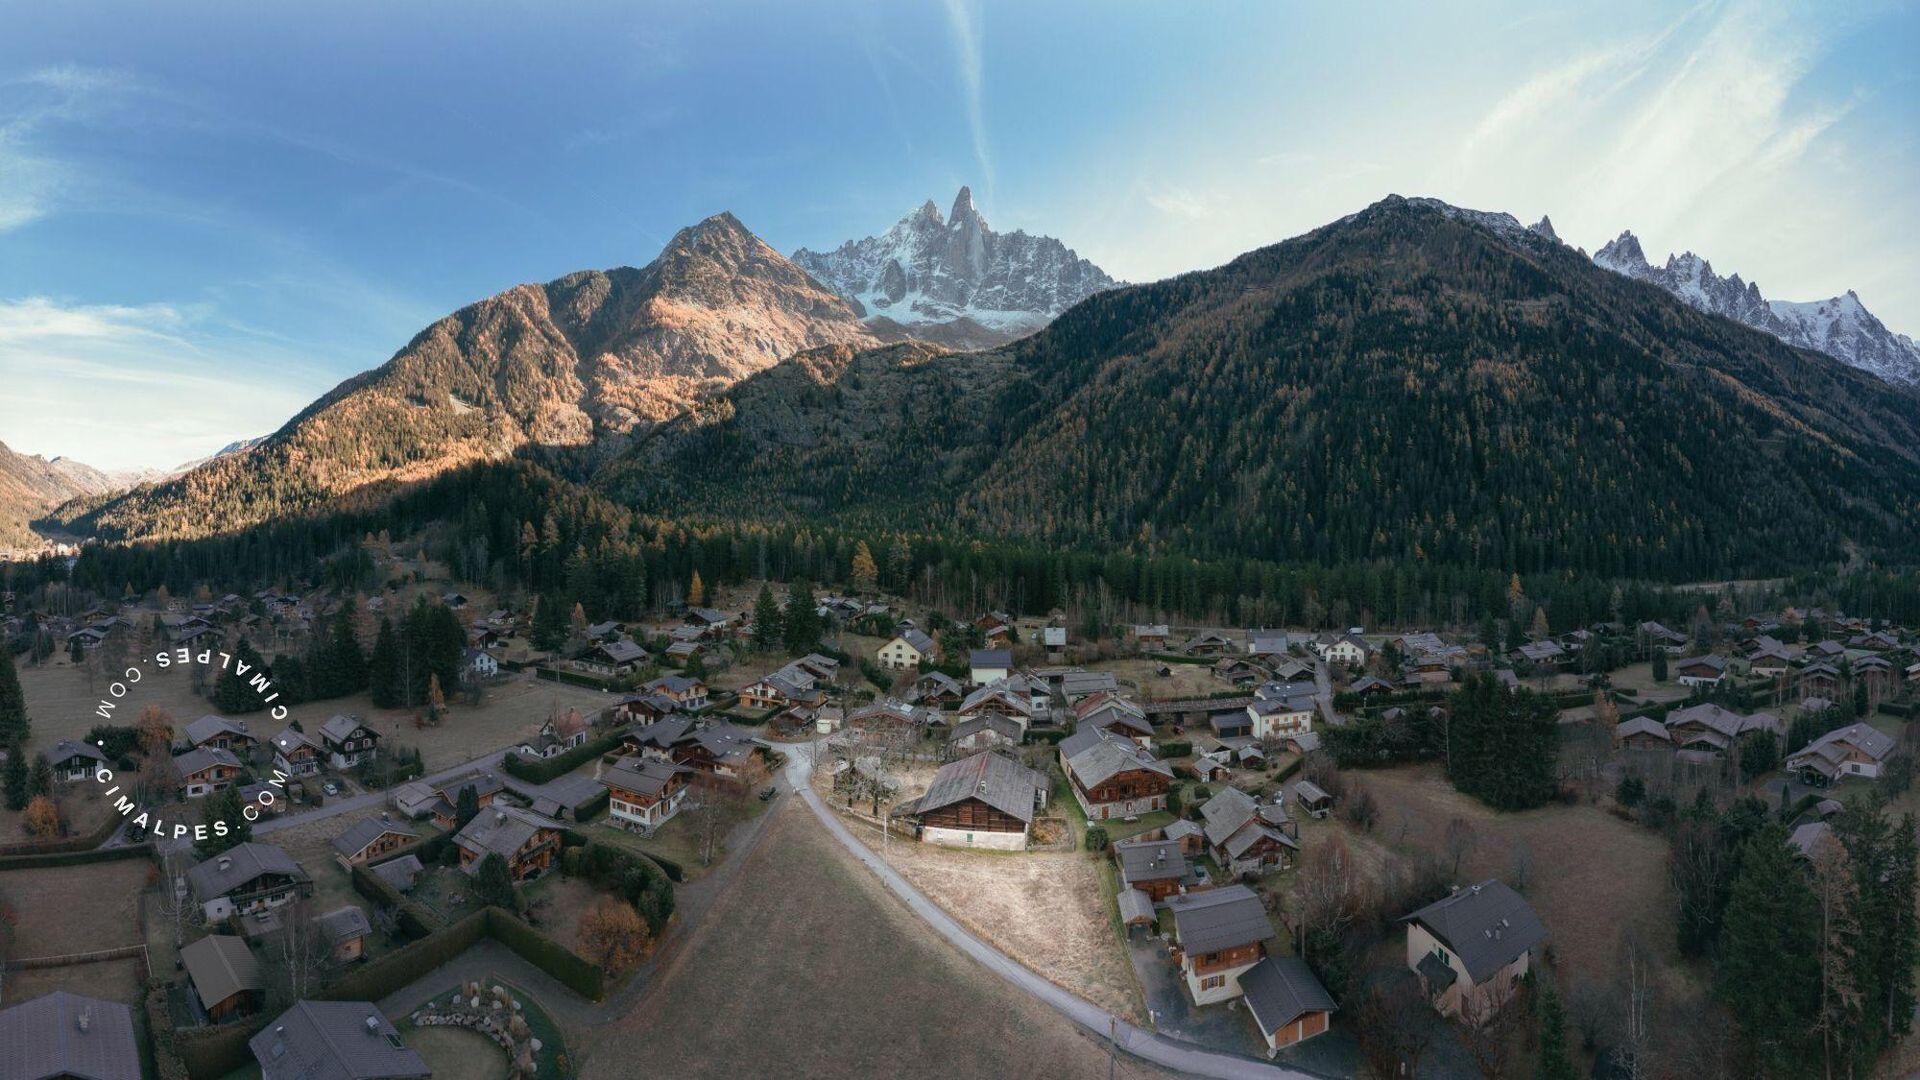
1222	1027
1162	1050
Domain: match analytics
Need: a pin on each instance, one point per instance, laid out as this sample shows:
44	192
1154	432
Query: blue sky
211	213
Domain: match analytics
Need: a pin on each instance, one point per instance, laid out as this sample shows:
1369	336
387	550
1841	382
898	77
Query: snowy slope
1841	327
953	280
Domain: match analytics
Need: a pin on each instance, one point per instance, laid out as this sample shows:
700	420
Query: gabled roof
1150	860
365	831
990	658
1641	725
67	750
200	759
344	924
621	651
1218	919
1281	989
1487	926
1002	783
238	865
1865	738
502	831
1107	756
918	639
341	726
290	742
210	726
334	1040
43	1039
642	775
221	966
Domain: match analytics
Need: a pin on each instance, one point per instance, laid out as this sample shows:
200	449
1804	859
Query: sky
212	213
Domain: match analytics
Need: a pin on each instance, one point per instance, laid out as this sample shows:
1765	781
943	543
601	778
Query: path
1323	680
1158	1049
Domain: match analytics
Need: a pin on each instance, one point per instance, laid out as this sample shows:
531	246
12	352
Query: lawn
457	1052
62	700
1592	875
1181	680
844	981
76	909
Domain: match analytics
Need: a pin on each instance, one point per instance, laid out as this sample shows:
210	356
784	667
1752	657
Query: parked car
330	788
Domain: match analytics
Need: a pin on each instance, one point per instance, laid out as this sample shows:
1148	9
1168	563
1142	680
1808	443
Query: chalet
60	1035
401	873
1709	727
1247	838
371	838
348	740
220	733
1913	672
454	601
908	649
605	631
1808	839
1470	949
1077	685
345	931
1212	768
1654	635
557	735
682	652
1370	684
986	731
1287	1002
203	772
1112	776
225	976
335	1040
1014	702
1155	867
1876	674
1821	680
1151	636
1238	670
936	688
989	665
1209	643
983	800
1705	670
1313	799
295	754
76	761
724	753
1642	733
1349	649
480	664
643	793
1306	742
782	689
709	620
1116	714
1191	838
529	842
644	708
1054	638
446	804
613	659
1267	643
990	619
1831	651
267	796
1279	710
998	636
1235	723
246	879
1854	750
1218	935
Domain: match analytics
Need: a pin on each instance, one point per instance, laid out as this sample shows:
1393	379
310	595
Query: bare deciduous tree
1459	840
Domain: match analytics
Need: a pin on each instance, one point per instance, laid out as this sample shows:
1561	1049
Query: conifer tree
13	700
17	776
1769	973
800	619
383	668
234	692
768	626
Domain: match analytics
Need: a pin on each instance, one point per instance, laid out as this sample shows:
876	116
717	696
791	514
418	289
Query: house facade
985	800
1472	948
644	793
1218	936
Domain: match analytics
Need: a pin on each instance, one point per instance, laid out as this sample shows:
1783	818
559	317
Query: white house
907	649
1472	948
989	665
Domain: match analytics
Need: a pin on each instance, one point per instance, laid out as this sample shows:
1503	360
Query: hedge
1894	708
212	1052
410	963
76	858
543	770
1182	658
581	976
83	842
416	919
592	806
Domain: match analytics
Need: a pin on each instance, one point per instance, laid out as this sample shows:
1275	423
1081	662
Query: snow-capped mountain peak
1841	327
953	280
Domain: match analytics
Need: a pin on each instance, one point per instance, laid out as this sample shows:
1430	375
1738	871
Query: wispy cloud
33	106
137	386
964	20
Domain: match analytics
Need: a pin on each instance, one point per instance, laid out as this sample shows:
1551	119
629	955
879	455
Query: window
1213	982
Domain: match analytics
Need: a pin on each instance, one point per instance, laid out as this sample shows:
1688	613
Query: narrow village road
1144	1044
1323	680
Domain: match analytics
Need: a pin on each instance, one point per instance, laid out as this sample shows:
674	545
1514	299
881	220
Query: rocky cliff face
1841	327
953	280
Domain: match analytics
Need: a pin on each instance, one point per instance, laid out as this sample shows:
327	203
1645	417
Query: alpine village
1411	649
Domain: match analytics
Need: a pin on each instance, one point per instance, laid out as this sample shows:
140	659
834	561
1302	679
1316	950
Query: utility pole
1113	1044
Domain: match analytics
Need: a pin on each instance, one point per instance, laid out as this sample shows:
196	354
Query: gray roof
221	966
66	750
1866	738
502	831
973	725
1218	919
921	643
341	726
1106	755
210	726
1134	906
1181	829
644	776
43	1039
1000	782
990	658
199	759
1641	725
1807	838
1150	860
622	651
342	924
401	872
1281	989
238	865
334	1040
1487	925
366	831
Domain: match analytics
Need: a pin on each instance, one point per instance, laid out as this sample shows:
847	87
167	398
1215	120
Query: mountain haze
31	485
1415	381
592	354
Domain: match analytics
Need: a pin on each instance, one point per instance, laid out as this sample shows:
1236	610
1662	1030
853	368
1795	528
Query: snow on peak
954	280
1841	327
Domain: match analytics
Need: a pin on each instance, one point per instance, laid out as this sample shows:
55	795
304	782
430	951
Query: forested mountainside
538	365
1412	383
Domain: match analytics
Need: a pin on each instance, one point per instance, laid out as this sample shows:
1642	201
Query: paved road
1324	681
1158	1049
347	805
